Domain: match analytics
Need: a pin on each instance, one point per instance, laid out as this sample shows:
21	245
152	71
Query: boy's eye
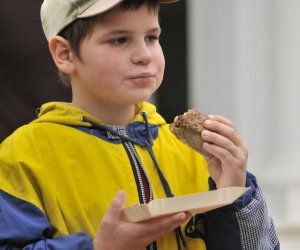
118	41
152	38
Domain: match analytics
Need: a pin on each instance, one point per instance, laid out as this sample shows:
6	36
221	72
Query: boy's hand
115	234
228	163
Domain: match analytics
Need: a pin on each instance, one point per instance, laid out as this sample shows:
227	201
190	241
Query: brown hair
81	28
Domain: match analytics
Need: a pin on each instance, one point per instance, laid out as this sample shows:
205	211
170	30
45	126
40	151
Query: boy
66	177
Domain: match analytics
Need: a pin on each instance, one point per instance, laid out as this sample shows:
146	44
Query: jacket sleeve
24	226
245	224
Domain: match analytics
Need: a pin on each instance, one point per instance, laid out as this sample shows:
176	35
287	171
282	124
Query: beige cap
58	14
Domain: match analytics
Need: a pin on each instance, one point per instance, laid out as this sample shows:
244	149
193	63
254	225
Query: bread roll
188	127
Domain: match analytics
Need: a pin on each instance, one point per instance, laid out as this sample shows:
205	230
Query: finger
223	129
222	119
219	141
220	153
163	225
116	206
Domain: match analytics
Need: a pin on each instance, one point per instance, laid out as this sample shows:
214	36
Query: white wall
244	63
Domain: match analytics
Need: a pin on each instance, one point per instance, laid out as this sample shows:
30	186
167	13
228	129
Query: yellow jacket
69	170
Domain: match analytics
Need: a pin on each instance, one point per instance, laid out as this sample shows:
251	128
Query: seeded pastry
188	127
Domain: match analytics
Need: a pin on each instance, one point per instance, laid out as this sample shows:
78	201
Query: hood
64	113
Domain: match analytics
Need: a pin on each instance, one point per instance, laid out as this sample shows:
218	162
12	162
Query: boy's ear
62	54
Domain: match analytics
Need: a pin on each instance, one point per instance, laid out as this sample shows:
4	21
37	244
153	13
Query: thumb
116	206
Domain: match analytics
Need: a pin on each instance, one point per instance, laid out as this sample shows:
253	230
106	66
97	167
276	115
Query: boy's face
122	62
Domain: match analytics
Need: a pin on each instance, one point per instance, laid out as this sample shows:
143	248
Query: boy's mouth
142	75
142	79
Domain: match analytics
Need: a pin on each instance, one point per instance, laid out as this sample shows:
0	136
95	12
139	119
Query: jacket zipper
137	167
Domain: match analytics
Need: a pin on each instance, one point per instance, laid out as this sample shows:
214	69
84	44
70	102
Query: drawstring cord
179	236
148	143
149	135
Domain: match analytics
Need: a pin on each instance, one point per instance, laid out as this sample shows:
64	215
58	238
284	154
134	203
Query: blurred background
240	59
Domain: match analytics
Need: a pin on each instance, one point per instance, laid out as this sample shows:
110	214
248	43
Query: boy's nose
141	54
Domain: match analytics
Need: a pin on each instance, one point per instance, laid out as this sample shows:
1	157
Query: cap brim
101	6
